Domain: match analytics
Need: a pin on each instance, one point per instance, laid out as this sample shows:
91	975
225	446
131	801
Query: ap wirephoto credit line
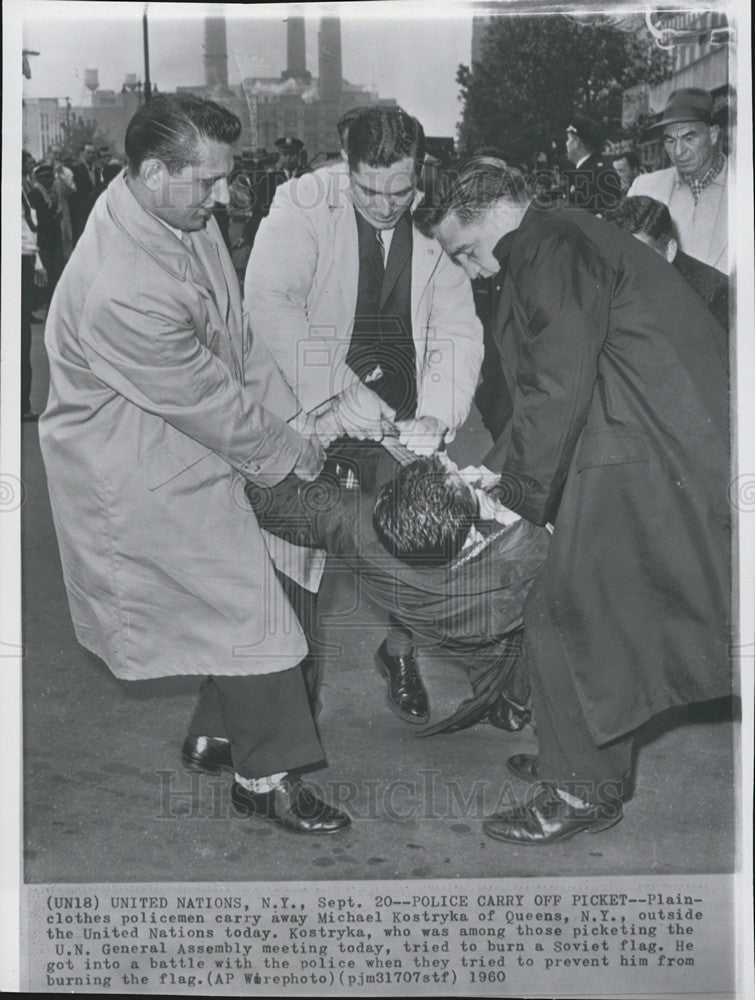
374	461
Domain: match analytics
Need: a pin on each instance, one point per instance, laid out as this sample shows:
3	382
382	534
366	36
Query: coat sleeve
143	344
279	277
561	307
454	349
319	514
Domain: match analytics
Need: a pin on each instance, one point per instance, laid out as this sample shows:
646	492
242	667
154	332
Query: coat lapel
212	267
425	258
346	242
206	250
195	260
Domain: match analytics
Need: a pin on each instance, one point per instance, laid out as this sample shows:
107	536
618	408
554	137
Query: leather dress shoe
504	715
407	696
524	766
547	818
207	753
290	805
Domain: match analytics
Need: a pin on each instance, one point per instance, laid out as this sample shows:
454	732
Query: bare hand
327	426
40	277
311	460
423	436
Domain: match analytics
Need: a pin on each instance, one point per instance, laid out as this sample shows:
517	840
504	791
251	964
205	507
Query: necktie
381	244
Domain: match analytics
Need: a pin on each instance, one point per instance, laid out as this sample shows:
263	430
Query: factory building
294	103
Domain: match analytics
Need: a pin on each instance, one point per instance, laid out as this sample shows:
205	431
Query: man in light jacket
695	186
367	318
155	420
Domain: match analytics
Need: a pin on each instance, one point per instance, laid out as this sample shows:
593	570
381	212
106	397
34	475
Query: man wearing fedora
590	183
694	187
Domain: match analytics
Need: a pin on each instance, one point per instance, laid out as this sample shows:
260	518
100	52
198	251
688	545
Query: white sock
572	799
261	785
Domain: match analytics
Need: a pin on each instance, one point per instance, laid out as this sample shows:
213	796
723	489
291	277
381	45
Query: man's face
690	146
289	159
186	198
625	172
56	154
382	194
471	244
89	154
27	164
572	146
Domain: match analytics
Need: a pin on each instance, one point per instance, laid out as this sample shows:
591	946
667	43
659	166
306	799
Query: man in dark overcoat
591	182
649	220
87	176
619	437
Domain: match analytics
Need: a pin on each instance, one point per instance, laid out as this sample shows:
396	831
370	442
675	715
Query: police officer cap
589	131
289	145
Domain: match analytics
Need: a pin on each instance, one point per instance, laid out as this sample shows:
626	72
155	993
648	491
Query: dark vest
382	351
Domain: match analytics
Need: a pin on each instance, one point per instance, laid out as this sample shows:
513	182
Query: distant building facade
268	107
700	59
42	124
294	103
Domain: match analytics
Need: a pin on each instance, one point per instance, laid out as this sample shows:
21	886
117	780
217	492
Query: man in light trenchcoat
367	318
155	419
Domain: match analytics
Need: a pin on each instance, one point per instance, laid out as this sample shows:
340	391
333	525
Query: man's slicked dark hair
382	136
643	216
423	515
347	119
170	128
481	182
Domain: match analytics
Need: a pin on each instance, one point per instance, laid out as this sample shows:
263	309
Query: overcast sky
398	50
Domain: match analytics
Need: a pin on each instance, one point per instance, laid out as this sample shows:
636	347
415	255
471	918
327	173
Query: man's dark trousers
568	755
245	709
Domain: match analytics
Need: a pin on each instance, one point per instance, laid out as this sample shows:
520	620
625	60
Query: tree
536	72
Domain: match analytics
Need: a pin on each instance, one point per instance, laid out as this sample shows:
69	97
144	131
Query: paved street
106	797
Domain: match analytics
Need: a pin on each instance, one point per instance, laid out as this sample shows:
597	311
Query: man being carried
446	559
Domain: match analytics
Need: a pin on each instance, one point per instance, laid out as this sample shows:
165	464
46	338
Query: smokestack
330	60
296	68
215	55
